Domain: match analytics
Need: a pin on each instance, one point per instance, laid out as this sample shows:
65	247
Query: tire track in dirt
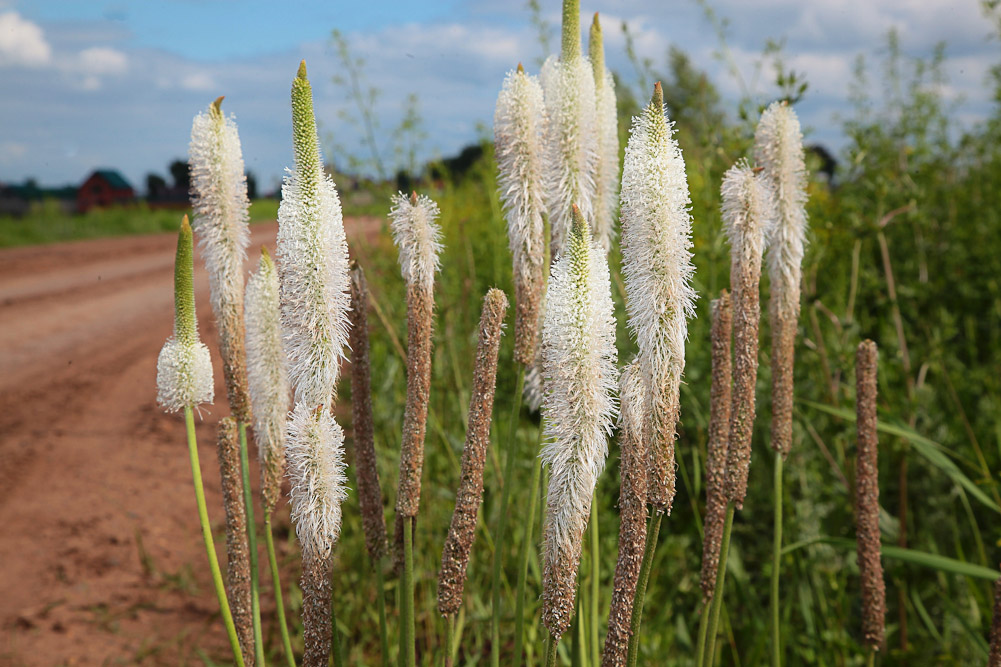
101	552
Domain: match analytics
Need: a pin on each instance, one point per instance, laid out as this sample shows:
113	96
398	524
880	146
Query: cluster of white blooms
315	455
778	148
183	375
658	269
606	195
417	237
579	407
220	204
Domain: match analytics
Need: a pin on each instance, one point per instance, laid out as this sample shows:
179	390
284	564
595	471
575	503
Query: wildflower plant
578	410
606	180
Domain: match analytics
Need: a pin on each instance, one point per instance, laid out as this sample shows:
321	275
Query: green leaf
922	558
933	452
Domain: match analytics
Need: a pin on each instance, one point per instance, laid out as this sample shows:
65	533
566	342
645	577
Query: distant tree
251	185
181	173
155	185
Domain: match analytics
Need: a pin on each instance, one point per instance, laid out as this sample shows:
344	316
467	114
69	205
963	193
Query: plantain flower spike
417	237
268	376
778	148
572	134
312	261
606	196
184	367
579	408
519	123
315	453
658	269
220	205
748	210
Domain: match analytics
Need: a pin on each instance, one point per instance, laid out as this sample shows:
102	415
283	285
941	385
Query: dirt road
101	560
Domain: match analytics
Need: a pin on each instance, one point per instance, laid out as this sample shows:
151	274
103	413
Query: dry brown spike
783	358
719	422
369	491
995	656
633	516
237	552
455	555
234	359
528	292
316	622
867	499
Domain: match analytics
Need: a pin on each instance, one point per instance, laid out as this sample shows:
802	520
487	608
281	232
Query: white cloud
101	60
22	42
199	81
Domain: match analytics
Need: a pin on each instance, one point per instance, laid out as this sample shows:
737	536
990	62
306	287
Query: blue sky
95	84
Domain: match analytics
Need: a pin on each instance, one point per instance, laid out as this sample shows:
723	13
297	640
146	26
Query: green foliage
49	222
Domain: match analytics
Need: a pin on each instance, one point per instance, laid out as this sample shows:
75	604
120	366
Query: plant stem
255	592
552	647
870	658
595	583
776	560
703	631
526	543
502	520
203	517
380	601
273	560
653	531
408	651
449	638
718	592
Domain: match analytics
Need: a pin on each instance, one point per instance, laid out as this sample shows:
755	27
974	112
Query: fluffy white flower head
312	262
778	148
267	373
219	200
519	123
571	142
315	454
417	237
184	367
657	263
579	361
607	170
748	210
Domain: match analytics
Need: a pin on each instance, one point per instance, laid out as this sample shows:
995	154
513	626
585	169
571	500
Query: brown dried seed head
559	589
237	552
783	358
455	555
420	304
632	512
719	422
528	299
660	436
369	491
316	592
867	499
744	280
234	356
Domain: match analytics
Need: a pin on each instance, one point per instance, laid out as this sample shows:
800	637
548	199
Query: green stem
552	649
255	592
776	560
636	621
449	638
380	601
870	658
526	543
273	560
724	552
703	630
408	652
502	520
595	583
203	517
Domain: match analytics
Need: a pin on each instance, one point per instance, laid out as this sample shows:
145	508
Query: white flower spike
184	367
418	238
606	196
312	262
658	269
519	124
579	408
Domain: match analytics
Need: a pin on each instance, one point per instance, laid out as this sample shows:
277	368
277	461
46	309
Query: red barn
105	187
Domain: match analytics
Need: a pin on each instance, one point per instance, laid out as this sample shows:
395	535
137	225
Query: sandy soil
101	559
